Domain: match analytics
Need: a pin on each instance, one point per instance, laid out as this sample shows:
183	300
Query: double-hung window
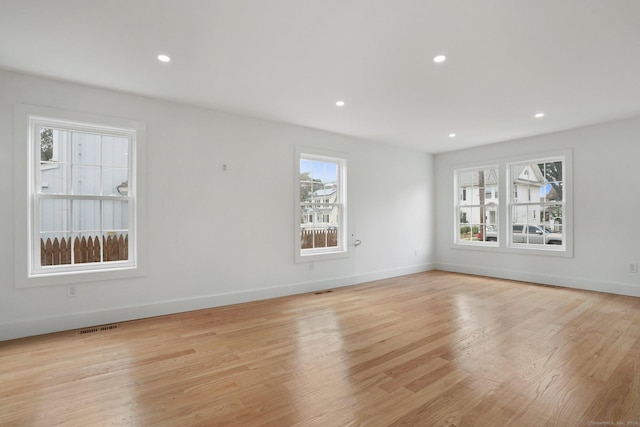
535	215
82	197
537	205
477	206
321	190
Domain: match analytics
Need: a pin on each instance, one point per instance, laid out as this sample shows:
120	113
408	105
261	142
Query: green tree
46	144
553	174
307	185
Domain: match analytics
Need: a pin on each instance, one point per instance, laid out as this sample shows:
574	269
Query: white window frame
505	193
317	254
28	271
469	195
566	249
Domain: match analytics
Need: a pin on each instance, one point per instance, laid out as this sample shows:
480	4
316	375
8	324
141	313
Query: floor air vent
97	329
323	292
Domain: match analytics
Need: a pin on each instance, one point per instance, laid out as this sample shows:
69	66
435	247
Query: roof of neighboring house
325	192
520	175
490	179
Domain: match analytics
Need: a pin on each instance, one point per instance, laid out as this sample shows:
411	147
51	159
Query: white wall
606	207
217	238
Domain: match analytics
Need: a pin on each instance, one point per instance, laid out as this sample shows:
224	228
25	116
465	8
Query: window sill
75	277
320	256
549	250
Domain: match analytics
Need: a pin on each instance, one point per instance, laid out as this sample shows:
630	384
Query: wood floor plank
429	349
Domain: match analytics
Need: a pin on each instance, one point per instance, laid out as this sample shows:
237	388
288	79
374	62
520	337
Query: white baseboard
545	279
37	326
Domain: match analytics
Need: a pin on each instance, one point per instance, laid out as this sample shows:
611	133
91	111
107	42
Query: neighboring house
529	187
470	196
73	168
321	212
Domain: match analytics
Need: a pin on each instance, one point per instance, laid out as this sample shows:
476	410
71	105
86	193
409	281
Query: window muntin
477	206
81	204
537	204
321	229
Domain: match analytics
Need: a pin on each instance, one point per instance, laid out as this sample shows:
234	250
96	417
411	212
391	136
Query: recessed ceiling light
452	135
163	58
539	115
340	103
439	58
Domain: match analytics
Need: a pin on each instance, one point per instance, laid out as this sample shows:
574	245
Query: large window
536	212
477	205
537	203
82	200
321	206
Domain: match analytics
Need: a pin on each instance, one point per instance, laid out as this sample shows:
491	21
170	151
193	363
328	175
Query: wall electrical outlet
633	267
72	292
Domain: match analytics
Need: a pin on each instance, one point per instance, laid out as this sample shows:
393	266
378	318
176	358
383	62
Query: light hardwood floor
430	349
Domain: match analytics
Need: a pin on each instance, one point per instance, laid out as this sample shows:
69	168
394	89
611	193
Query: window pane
470	232
491	213
517	236
553	223
115	216
319	226
55	215
86	236
86	180
475	215
463	195
552	192
318	169
477	209
317	190
465	216
533	214
115	247
331	172
86	216
115	222
46	145
305	167
552	171
55	248
465	232
86	247
306	181
466	179
474	178
319	237
553	213
62	151
55	145
491	177
519	214
114	182
86	148
55	178
115	151
55	224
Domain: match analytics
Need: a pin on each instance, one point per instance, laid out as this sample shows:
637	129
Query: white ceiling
578	61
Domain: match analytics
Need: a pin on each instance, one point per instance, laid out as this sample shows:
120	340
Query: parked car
533	234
